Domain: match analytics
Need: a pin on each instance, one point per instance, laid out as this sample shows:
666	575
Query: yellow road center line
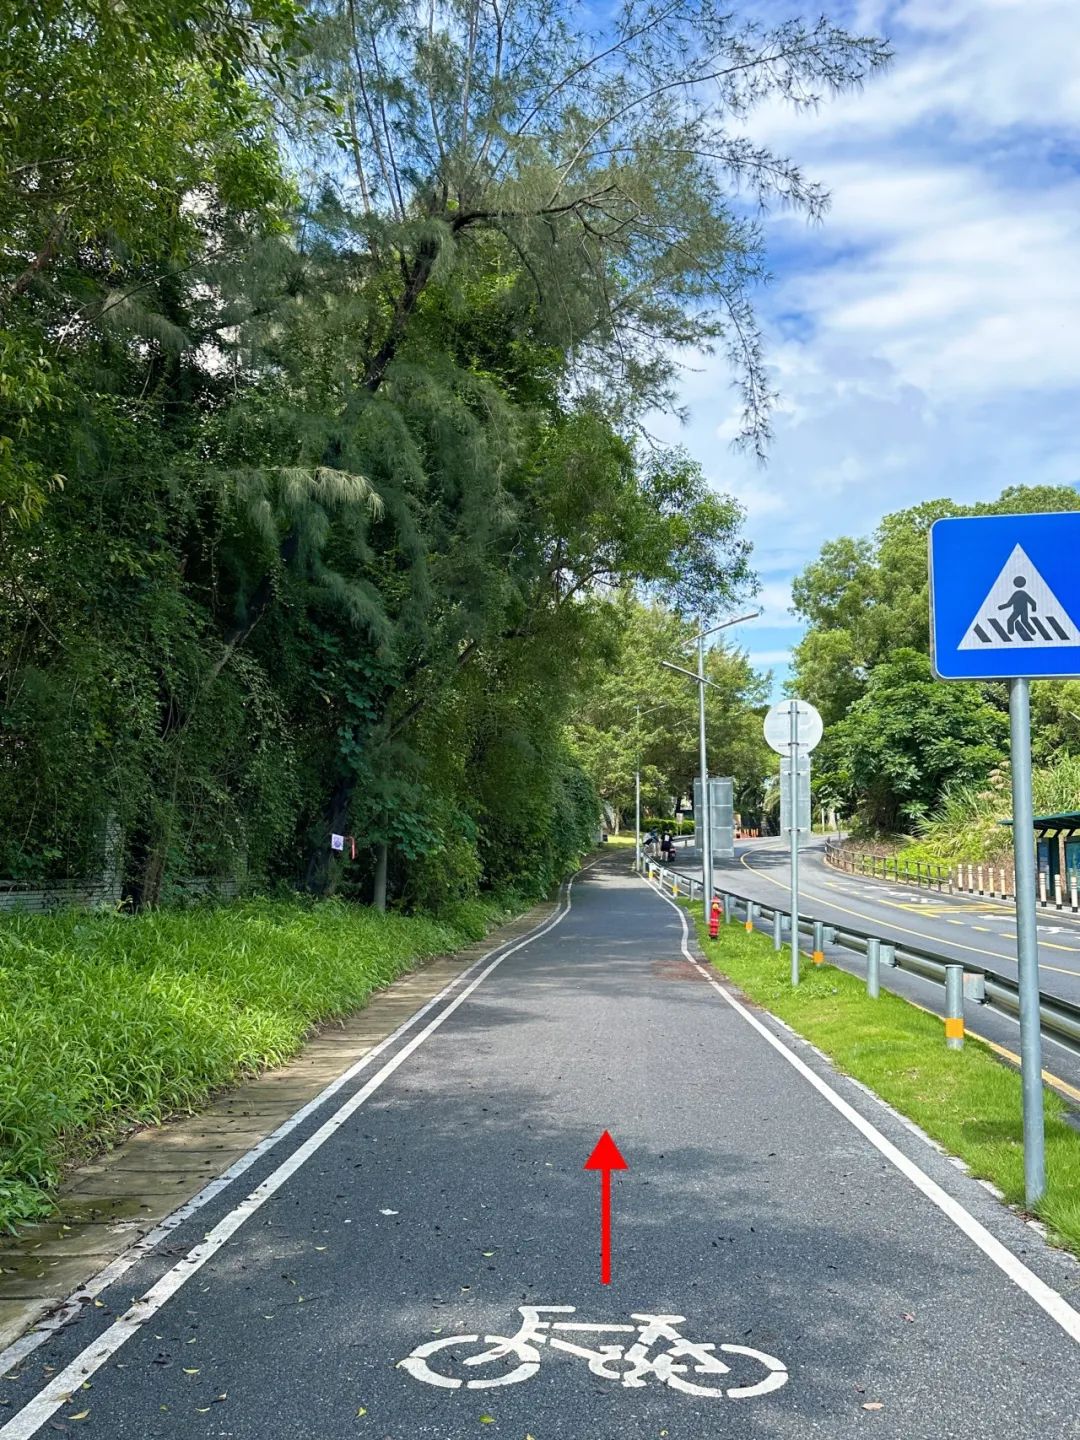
1054	1081
918	934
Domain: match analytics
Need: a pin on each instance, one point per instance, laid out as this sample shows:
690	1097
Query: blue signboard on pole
1005	605
1005	597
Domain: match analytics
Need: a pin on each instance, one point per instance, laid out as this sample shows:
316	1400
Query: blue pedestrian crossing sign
1005	596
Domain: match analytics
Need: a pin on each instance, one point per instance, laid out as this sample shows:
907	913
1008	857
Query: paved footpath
863	1284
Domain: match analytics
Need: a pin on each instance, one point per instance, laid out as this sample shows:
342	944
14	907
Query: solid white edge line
18	1350
1044	1295
46	1329
62	1387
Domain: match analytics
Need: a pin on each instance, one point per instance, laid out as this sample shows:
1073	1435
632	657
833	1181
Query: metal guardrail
982	984
990	882
888	867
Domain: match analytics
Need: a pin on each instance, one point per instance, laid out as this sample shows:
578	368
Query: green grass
966	1099
112	1021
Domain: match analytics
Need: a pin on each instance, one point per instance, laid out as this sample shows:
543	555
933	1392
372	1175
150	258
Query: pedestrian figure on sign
1020	606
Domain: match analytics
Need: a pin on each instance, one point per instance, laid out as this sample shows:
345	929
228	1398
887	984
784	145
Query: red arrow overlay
605	1158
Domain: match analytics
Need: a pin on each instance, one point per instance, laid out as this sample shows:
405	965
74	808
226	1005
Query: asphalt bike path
788	1258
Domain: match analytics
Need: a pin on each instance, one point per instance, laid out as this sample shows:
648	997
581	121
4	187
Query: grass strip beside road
967	1100
109	1022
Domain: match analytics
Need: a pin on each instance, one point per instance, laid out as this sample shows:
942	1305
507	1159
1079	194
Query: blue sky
925	339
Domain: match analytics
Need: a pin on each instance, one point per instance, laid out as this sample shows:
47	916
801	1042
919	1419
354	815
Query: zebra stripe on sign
1020	610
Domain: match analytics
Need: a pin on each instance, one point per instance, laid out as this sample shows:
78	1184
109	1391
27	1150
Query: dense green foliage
108	1022
908	737
895	738
636	715
326	334
967	824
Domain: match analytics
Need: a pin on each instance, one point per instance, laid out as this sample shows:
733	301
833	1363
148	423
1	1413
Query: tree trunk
378	898
322	872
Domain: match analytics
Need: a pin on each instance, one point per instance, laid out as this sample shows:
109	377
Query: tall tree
908	737
348	460
867	604
635	715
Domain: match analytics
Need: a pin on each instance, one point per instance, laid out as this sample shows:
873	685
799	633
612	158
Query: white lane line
1045	1296
18	1350
62	1387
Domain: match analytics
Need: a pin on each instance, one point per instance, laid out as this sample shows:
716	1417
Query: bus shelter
1057	847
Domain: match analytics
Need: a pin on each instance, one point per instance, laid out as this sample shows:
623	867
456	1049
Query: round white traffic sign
778	727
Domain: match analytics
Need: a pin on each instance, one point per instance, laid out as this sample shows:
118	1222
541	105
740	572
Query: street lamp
664	705
699	677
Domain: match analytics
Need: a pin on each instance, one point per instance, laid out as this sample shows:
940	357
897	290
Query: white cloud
960	282
926	337
775	603
983	66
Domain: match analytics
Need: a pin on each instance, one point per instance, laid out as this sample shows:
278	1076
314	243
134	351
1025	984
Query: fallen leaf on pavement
80	1416
873	1405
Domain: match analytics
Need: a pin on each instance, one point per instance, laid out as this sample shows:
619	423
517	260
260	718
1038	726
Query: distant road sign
795	809
1005	596
778	727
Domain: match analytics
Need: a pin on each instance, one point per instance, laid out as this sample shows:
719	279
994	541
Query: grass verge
967	1100
110	1021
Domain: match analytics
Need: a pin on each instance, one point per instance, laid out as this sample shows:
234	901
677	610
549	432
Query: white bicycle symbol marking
629	1364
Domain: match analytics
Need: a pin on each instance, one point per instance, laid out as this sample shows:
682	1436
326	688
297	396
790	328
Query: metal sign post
1027	941
793	781
1005	605
637	822
705	826
792	729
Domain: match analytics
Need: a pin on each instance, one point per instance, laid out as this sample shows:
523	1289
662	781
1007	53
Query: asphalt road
968	928
769	1205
